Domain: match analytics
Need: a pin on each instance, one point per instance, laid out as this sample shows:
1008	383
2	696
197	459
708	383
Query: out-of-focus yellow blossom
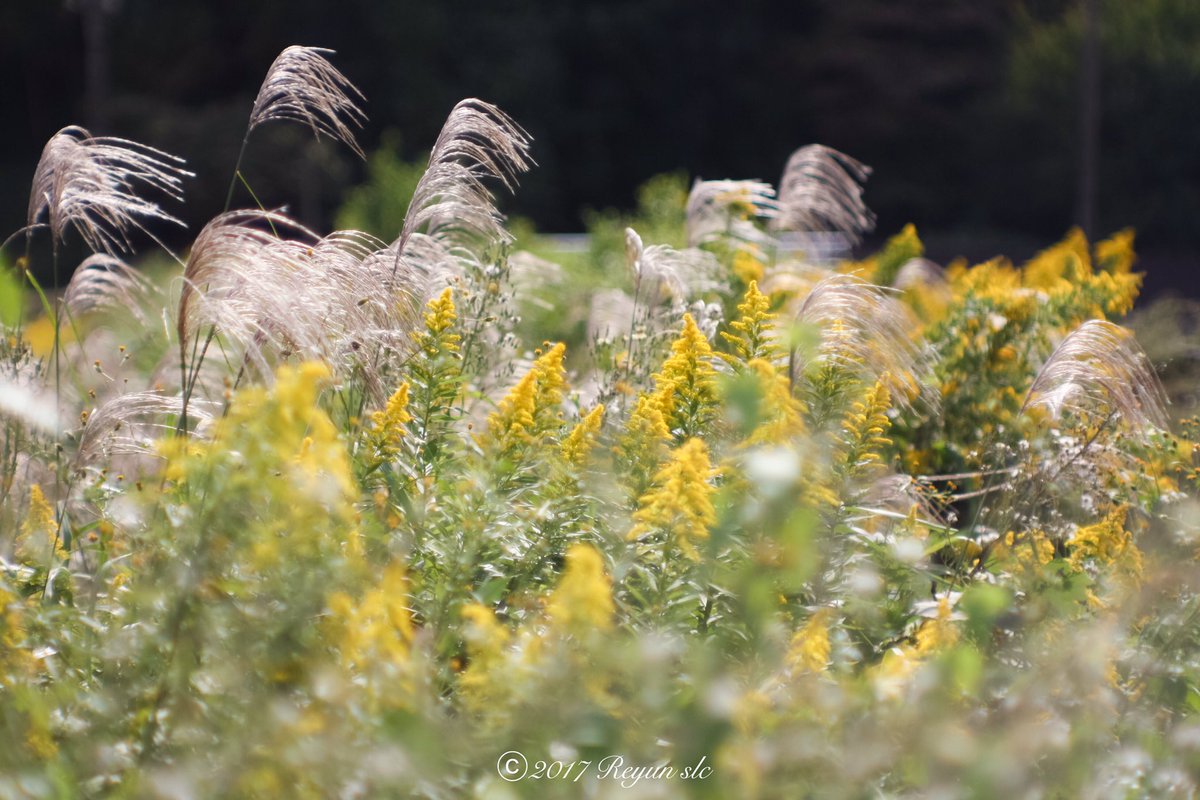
752	338
378	627
746	267
680	503
581	439
892	675
1109	545
810	648
388	424
882	268
483	682
1025	553
939	633
781	413
582	601
39	540
1115	254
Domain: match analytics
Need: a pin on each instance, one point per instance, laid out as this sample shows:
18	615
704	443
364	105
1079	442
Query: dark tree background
969	111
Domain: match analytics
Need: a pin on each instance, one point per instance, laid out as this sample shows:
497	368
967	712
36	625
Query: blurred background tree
969	112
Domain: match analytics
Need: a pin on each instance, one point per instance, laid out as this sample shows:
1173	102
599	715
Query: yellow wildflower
939	633
376	628
388	424
753	337
582	601
681	501
1108	544
1115	254
483	682
39	540
866	426
512	424
746	267
810	649
685	391
440	313
551	379
579	441
780	411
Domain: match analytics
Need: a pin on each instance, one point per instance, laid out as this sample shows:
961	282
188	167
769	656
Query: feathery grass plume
319	298
662	272
132	424
90	183
728	208
101	282
302	86
451	204
821	189
1097	370
25	401
864	332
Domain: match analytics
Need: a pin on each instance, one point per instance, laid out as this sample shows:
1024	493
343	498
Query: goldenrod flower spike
685	390
582	438
39	540
810	648
441	315
680	503
388	424
752	338
512	423
582	601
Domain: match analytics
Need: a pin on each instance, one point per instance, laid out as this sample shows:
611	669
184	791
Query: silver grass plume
91	183
302	86
103	282
717	209
866	332
451	204
304	295
662	272
920	272
133	424
1098	370
821	190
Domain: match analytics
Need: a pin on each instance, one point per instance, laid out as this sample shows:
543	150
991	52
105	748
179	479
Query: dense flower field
312	516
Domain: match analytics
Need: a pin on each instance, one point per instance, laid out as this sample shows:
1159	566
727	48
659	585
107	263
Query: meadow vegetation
323	515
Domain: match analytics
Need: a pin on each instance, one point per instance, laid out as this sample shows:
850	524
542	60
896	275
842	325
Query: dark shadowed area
980	119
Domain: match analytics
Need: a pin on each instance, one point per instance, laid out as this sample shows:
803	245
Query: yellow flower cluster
581	439
865	429
1108	544
680	504
781	413
810	648
440	316
388	424
39	541
530	408
582	601
753	337
376	628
